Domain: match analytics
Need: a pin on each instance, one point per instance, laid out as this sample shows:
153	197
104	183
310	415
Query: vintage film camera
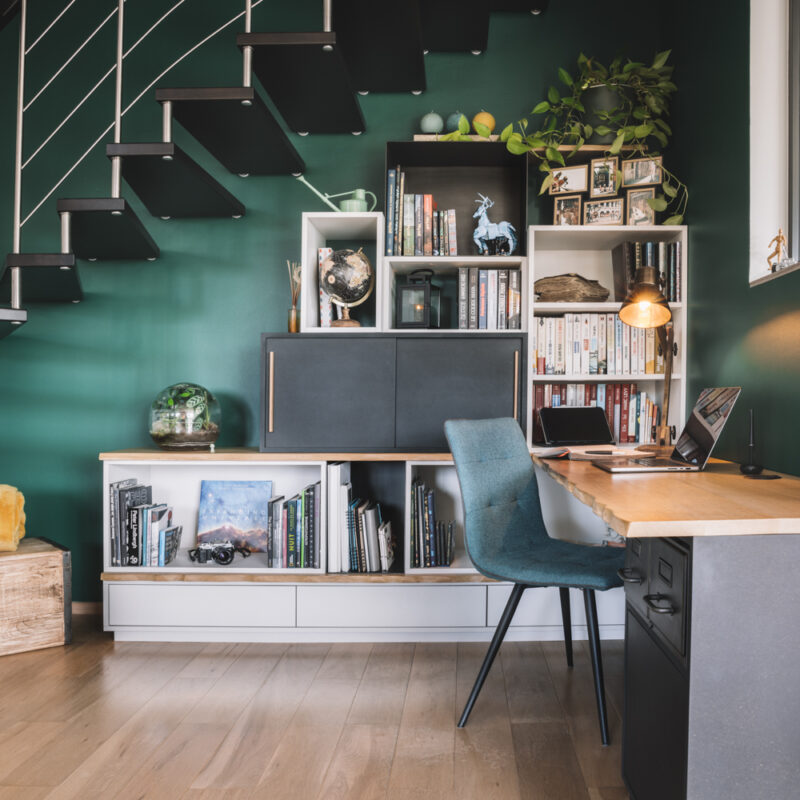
221	552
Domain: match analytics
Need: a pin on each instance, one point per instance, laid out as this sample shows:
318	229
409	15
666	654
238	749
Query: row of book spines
489	299
432	540
293	539
414	224
631	414
666	257
594	344
371	548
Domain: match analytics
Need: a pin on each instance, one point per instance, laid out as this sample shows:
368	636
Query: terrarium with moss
185	416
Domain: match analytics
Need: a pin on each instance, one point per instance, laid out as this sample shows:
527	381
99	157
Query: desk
713	706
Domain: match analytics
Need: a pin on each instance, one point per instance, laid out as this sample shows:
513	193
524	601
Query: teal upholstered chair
507	540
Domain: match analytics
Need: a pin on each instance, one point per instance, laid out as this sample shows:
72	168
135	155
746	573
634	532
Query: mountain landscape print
235	512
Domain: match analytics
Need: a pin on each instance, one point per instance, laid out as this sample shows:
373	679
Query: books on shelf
632	414
593	344
415	225
432	541
489	299
627	257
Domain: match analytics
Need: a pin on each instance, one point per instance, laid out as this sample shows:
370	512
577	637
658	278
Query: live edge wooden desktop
712	634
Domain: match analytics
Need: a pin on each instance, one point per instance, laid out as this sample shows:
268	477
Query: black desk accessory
564	426
751	469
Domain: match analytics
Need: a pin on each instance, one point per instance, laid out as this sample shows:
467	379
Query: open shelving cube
176	481
340	230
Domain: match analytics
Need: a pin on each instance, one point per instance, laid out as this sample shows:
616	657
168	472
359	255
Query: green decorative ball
452	120
431	123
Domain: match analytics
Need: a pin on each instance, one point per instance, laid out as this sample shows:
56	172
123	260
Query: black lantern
418	301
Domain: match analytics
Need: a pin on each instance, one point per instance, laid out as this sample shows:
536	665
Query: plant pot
599	98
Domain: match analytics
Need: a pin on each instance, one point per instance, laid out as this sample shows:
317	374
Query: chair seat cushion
556	563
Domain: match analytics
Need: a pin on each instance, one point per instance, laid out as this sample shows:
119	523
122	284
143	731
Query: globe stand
345	321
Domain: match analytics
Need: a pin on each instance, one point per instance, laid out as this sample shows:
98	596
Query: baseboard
86	608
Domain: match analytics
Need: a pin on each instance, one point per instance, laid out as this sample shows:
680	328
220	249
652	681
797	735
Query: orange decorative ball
484	118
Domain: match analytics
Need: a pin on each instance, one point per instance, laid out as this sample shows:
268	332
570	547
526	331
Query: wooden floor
237	721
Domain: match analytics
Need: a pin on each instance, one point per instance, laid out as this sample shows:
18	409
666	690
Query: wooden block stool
35	597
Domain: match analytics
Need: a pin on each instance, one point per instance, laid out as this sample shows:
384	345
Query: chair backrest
498	486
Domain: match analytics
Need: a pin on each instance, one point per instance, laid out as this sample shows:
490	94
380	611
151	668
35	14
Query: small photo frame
567	210
639	212
604	212
641	171
568	180
604	177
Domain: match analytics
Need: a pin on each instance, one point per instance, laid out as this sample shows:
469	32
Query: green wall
77	380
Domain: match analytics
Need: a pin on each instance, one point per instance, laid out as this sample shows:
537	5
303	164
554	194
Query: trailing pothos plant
636	122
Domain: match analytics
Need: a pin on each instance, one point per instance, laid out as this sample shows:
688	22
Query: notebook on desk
697	439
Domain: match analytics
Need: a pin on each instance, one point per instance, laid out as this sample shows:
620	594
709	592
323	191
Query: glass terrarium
185	416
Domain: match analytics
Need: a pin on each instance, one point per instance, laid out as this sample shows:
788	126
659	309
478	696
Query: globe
348	277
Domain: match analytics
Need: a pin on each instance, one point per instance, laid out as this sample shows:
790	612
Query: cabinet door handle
653	599
630	575
516	384
271	391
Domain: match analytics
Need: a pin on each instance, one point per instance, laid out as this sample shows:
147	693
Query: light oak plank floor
304	722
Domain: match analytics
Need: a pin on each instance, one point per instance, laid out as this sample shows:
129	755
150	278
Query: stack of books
594	344
432	540
293	533
415	226
631	414
142	533
627	257
489	299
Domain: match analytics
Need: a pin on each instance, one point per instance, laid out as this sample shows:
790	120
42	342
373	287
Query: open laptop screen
705	425
569	425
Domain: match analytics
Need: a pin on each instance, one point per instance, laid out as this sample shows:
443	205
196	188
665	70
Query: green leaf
482	130
541	108
536	141
516	147
657	203
642	131
546	183
618	179
661	59
662	138
588	131
616	146
463	124
553	96
170	402
602	130
675	220
581	141
506	132
544	167
664	126
669	189
566	78
553	155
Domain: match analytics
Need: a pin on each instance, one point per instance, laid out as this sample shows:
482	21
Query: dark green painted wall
77	380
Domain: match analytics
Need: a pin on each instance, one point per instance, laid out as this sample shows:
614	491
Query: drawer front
206	605
668	589
408	606
636	571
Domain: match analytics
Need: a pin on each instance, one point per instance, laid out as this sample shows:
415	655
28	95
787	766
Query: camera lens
222	555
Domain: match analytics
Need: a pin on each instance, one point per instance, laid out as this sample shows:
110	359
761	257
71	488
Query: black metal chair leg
566	618
494	646
597	661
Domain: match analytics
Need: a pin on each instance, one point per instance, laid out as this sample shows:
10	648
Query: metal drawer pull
652	599
629	575
270	428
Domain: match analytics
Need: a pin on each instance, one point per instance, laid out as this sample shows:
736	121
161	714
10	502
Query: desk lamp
646	307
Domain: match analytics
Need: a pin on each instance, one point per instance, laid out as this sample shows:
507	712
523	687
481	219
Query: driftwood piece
570	288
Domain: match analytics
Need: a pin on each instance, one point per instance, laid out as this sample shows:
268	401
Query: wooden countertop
719	501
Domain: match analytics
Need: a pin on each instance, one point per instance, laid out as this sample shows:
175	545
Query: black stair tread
46	277
11	319
539	6
455	26
246	139
170	183
107	228
310	87
381	44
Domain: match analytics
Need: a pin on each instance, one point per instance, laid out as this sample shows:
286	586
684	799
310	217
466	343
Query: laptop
565	426
697	439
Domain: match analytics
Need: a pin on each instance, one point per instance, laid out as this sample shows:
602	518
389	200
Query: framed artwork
641	171
604	212
567	210
568	180
604	177
639	212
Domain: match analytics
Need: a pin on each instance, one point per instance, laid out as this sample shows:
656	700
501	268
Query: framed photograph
568	180
639	212
567	210
641	171
604	177
604	212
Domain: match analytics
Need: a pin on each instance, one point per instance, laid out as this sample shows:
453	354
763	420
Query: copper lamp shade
645	305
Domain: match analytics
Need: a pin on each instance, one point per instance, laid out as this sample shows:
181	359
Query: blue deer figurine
492	238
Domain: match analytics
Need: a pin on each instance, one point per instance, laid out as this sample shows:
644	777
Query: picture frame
642	171
638	210
604	212
603	178
567	210
569	180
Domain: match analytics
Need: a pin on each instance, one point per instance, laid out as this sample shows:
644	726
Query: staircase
313	80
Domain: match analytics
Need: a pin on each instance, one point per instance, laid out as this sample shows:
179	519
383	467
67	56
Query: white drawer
407	606
202	605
